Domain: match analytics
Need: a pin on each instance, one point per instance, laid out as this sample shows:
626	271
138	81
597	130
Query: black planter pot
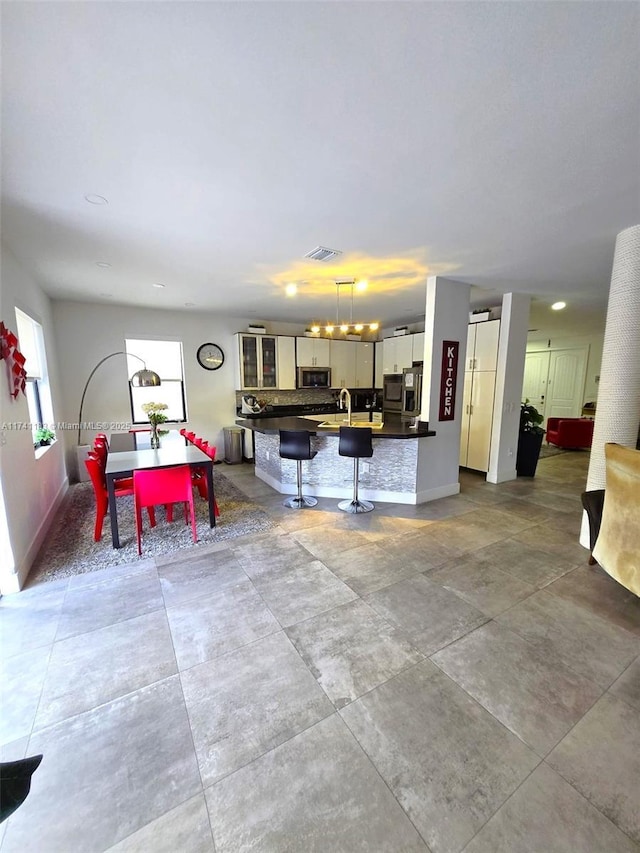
529	444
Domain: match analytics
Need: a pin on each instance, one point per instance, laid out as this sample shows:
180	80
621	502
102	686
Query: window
31	338
165	358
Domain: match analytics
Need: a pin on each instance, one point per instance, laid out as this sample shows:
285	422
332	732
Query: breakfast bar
392	474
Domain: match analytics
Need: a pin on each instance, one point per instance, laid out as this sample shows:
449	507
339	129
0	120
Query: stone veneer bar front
392	474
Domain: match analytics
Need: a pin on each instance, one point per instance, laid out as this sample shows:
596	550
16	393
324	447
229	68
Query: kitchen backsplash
301	396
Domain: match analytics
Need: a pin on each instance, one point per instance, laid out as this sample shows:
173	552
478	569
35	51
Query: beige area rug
69	547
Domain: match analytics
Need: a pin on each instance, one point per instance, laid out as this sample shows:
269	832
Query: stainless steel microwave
314	377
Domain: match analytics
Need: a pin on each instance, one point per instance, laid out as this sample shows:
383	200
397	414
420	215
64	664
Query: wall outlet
510	451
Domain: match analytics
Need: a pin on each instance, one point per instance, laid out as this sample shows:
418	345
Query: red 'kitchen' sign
448	380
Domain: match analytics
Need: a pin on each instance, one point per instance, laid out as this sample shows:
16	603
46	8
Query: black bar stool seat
357	443
296	444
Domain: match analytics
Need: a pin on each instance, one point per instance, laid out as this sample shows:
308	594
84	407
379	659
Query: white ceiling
494	143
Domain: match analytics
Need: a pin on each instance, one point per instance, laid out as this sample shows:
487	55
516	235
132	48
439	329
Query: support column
618	404
446	319
512	348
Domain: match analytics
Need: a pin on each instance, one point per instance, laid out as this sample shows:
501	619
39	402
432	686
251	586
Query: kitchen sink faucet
344	393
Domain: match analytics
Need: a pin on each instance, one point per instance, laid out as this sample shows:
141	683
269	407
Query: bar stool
296	444
355	442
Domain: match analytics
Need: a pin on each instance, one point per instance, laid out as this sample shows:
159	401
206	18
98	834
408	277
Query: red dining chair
102	449
102	436
190	436
163	486
199	476
122	489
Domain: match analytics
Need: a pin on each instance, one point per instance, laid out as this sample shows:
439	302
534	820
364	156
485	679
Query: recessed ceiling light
92	198
558	306
291	289
104	265
158	285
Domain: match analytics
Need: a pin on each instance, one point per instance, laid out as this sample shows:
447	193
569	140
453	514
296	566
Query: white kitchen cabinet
286	362
397	354
364	365
343	364
351	364
378	370
257	360
313	352
482	345
479	392
417	346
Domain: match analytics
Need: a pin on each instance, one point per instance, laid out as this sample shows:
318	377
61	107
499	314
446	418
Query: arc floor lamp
141	379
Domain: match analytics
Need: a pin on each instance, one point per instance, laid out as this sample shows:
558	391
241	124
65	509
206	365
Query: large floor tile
106	773
270	552
89	608
211	625
525	562
601	758
546	814
21	677
370	567
422	549
591	587
185	580
111	575
430	616
448	761
352	649
627	687
30	618
530	691
248	701
589	645
97	667
317	793
185	829
329	541
302	591
554	541
480	584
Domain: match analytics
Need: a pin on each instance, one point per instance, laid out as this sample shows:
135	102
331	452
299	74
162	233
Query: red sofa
570	432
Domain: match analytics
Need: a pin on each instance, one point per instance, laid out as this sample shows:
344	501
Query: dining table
123	463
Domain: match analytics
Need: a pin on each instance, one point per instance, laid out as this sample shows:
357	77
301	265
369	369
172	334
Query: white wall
86	332
32	487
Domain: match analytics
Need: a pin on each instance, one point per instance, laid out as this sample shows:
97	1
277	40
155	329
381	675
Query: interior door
536	370
565	386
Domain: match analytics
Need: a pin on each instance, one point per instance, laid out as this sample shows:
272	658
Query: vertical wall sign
448	379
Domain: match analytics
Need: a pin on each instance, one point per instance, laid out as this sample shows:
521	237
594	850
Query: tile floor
450	677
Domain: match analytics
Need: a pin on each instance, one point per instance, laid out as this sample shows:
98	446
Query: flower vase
155	437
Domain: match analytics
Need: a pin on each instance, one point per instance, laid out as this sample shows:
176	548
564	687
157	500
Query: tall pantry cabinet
479	391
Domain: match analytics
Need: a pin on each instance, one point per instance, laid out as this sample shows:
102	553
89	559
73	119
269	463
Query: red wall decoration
9	352
448	379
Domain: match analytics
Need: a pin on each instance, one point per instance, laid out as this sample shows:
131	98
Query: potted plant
44	437
529	440
154	411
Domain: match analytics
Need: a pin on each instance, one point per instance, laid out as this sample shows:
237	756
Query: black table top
392	427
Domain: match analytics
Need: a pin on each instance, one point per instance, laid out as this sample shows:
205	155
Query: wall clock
210	356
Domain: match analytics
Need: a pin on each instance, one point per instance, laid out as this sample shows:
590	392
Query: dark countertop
393	427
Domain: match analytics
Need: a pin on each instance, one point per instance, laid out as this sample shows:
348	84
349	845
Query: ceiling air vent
320	253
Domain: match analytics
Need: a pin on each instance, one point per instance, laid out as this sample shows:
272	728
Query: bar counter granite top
393	427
